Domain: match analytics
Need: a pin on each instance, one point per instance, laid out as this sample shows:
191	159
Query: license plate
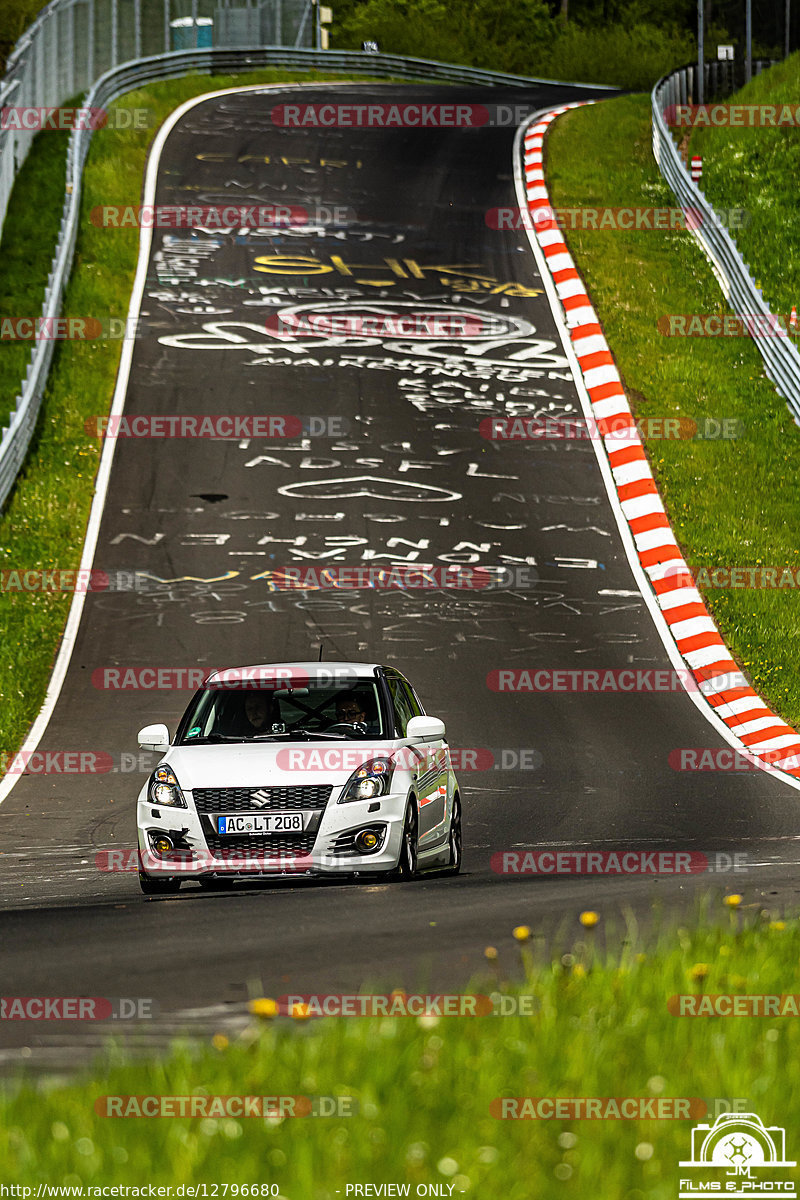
279	822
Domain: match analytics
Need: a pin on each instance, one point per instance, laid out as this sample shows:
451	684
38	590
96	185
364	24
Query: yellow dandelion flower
263	1007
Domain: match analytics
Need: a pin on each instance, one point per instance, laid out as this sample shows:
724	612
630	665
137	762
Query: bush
495	34
631	57
521	38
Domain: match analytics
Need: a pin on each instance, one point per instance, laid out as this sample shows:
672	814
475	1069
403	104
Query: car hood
273	764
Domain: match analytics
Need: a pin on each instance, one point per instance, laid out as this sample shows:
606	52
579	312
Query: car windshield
223	714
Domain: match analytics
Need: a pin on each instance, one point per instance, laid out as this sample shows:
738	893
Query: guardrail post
748	37
53	62
114	33
700	51
38	67
69	64
90	44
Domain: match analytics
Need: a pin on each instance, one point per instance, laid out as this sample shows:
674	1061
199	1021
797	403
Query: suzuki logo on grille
261	798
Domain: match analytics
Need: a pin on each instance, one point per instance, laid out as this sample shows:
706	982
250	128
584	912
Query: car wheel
407	863
455	836
152	886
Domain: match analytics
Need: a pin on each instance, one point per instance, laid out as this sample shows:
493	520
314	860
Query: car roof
313	670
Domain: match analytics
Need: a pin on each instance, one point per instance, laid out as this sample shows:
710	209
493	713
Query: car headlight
165	789
369	781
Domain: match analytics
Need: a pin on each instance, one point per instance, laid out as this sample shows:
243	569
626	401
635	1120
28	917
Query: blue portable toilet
190	34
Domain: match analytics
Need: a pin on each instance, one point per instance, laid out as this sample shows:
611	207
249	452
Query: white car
295	770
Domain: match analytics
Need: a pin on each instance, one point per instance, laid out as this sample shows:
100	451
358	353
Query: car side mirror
154	737
425	729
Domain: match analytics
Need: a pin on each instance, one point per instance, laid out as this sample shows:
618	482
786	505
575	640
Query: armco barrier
781	358
17	435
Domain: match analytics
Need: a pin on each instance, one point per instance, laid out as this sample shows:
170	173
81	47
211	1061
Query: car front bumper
265	857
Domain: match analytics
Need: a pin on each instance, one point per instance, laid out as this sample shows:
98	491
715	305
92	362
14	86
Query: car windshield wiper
302	734
210	737
306	734
274	737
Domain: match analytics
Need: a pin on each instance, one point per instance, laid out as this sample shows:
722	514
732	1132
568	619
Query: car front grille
281	799
266	844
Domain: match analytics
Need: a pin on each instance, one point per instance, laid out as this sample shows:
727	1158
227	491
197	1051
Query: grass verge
731	502
597	1025
757	169
43	524
30	233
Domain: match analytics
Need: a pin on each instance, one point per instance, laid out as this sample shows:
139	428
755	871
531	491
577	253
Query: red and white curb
755	727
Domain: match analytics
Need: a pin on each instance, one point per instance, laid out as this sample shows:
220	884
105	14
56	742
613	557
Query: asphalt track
410	479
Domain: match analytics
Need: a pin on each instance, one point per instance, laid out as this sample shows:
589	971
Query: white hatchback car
298	769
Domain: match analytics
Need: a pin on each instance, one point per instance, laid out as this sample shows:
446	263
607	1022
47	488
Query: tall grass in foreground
424	1086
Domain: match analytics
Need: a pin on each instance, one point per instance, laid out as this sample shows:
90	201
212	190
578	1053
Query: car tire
152	886
455	837
407	863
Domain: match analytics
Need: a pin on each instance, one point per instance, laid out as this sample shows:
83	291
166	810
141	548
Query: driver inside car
350	711
247	716
258	711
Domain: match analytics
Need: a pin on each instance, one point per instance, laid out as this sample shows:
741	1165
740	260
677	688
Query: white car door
432	769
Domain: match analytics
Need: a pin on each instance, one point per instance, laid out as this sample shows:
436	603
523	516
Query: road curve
400	472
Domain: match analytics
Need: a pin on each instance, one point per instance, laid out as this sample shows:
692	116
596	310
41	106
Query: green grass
757	170
30	233
599	1027
44	521
730	502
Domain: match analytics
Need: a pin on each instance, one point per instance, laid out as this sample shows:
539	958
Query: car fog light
161	843
366	840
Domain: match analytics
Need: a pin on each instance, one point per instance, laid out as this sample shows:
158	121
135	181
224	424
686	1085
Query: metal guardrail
780	355
16	437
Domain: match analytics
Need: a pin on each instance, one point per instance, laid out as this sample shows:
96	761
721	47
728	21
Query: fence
72	43
780	355
721	77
